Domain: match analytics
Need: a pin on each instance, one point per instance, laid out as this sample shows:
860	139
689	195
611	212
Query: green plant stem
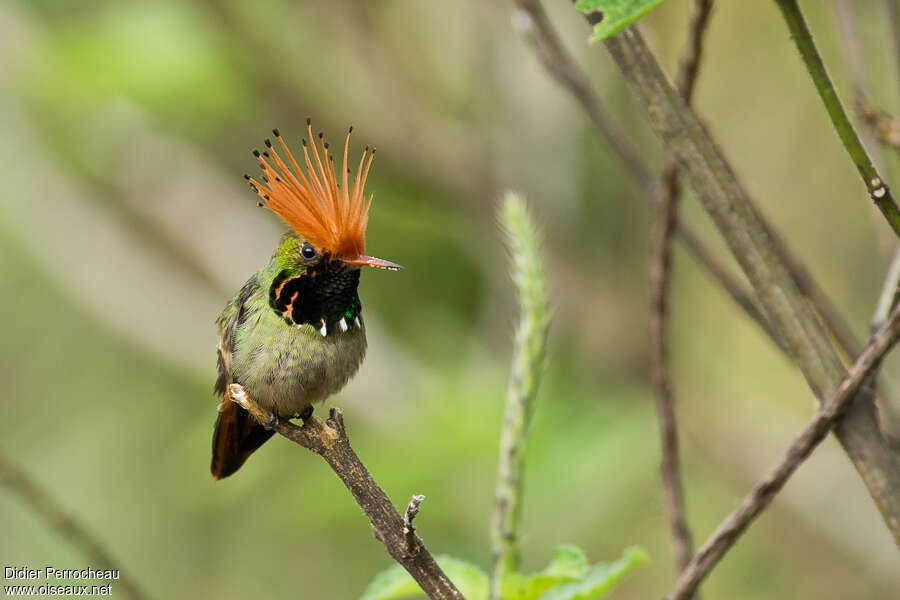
528	360
878	190
730	208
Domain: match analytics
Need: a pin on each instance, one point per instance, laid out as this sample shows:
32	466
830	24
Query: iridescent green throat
324	295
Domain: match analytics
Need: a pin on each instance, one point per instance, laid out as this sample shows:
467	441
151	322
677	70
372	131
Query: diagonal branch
801	447
65	524
877	188
660	283
329	440
729	205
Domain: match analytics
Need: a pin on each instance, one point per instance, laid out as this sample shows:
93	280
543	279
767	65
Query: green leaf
568	561
569	564
598	580
395	582
617	14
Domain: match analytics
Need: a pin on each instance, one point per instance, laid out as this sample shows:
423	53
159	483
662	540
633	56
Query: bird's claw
272	423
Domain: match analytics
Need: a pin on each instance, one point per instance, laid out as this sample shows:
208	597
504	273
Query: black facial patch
326	290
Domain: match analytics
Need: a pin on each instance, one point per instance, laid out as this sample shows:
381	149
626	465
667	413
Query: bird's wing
231	318
236	433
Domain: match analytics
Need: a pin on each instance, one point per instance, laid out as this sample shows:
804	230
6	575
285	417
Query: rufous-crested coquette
294	334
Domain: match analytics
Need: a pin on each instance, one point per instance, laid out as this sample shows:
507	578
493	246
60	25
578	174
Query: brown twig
18	481
329	440
801	447
660	283
689	64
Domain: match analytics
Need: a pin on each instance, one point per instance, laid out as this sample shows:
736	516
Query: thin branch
523	242
329	440
801	447
660	284
729	205
878	190
660	279
19	482
819	301
724	277
689	65
890	293
888	300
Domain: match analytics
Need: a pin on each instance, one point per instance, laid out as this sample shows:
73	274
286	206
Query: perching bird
294	334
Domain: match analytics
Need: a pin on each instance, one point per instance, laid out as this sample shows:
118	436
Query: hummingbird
294	334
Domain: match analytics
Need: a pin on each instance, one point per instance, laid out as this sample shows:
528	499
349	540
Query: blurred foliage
395	582
617	14
125	226
569	576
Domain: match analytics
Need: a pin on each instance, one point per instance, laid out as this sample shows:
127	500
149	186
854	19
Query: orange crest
331	216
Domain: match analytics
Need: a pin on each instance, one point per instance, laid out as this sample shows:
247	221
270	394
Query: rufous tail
236	436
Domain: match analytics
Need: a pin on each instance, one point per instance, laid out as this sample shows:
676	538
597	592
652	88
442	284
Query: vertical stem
878	190
528	358
660	278
890	293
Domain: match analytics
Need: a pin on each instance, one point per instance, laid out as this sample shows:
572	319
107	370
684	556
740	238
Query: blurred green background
125	226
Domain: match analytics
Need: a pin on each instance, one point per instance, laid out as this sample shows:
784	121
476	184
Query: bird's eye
308	252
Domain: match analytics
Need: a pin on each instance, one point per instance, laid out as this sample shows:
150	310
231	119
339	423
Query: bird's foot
272	422
306	413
